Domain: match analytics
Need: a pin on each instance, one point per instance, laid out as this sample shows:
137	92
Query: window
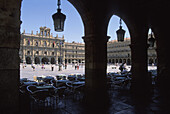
28	52
41	33
53	44
28	42
37	52
36	43
52	53
45	53
45	43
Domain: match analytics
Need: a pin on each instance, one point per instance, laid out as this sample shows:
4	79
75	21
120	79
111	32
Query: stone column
163	57
9	57
140	80
95	69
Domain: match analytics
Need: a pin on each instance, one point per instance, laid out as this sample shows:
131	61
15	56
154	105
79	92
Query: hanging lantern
151	41
59	19
120	33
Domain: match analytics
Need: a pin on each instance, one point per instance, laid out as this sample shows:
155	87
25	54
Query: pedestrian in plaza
65	66
43	66
23	66
52	67
122	67
33	67
77	67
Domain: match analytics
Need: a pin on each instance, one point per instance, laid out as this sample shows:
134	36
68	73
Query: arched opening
60	60
65	61
128	62
69	60
113	61
28	60
37	60
124	61
79	61
13	17
45	60
120	60
53	60
152	53
118	50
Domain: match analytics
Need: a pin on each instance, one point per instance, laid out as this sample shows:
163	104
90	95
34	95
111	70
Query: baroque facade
74	52
43	48
119	52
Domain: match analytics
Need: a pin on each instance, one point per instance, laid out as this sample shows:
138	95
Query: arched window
53	44
36	43
28	42
28	52
45	33
45	43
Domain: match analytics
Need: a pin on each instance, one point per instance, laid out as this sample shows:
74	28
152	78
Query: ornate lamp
151	40
120	33
59	19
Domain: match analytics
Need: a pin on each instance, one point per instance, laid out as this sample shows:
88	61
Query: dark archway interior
139	17
28	60
37	60
53	61
45	60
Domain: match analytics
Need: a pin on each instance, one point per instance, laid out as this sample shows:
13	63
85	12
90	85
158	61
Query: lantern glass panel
59	19
120	34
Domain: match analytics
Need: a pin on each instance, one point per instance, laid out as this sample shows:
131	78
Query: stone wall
9	56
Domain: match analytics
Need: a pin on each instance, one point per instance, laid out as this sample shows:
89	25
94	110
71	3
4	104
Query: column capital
95	38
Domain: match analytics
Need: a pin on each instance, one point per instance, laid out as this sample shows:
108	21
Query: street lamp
59	19
120	33
151	40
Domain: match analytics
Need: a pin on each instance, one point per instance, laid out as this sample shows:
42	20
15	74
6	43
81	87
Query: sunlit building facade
74	52
119	52
41	47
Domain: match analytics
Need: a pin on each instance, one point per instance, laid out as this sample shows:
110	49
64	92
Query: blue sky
37	13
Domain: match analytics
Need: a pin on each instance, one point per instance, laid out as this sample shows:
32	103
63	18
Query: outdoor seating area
51	91
65	92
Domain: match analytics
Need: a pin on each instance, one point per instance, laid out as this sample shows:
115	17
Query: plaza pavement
28	72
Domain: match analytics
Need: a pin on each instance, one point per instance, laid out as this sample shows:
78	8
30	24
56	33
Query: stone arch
113	61
37	60
53	61
45	60
120	61
28	60
128	62
69	60
113	26
124	61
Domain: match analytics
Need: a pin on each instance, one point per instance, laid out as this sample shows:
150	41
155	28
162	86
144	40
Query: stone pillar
140	79
9	57
163	57
161	34
95	69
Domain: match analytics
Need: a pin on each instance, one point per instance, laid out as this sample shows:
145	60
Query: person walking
52	67
65	66
121	68
33	67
